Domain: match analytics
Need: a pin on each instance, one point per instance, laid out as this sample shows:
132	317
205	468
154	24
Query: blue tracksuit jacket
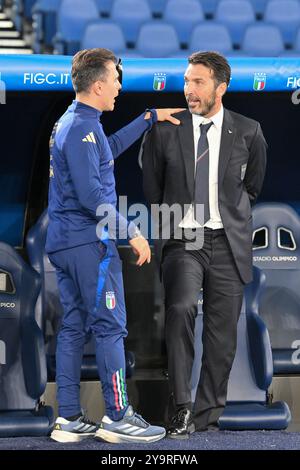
82	174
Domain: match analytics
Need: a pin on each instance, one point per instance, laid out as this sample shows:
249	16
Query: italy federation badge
259	81
110	300
159	81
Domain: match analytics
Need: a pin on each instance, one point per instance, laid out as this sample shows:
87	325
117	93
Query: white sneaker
131	428
73	431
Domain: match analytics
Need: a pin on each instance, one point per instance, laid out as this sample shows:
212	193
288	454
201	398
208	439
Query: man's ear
96	88
221	90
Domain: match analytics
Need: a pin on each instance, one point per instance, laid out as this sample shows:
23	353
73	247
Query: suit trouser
91	292
185	272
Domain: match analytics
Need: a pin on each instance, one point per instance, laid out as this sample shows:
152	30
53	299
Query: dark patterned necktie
202	175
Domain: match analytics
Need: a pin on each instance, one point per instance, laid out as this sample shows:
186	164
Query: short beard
207	106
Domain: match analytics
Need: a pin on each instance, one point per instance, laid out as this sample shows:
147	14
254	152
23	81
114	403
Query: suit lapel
227	141
186	139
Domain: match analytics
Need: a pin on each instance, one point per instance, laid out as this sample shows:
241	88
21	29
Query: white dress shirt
214	140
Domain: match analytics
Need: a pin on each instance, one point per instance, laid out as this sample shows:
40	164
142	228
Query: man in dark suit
212	166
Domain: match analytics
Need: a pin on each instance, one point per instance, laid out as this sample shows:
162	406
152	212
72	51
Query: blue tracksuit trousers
91	291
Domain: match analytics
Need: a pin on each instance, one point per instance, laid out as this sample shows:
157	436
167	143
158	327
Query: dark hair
88	66
214	61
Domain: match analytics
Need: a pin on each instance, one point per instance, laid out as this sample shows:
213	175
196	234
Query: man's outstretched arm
125	137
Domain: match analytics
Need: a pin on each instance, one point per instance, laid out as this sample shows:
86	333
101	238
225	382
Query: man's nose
190	94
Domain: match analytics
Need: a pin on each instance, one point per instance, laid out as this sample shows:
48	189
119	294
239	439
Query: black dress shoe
181	425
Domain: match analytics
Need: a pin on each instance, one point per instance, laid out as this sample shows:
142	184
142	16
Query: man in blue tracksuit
88	266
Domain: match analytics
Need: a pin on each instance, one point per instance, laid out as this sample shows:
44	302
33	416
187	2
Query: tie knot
205	127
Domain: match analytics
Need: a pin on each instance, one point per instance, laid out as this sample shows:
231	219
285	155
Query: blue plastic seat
184	16
276	251
131	15
211	37
49	310
44	22
22	355
108	35
236	15
72	19
263	40
286	15
247	406
158	40
258	6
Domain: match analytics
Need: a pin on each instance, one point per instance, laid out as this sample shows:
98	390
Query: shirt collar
87	109
217	119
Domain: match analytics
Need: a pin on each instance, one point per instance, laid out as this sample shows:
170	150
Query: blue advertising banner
52	73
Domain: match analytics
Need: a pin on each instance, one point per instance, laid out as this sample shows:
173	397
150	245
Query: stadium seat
247	406
210	6
100	34
184	16
158	40
49	309
131	15
108	35
236	15
22	355
211	36
44	23
285	14
72	19
276	251
263	40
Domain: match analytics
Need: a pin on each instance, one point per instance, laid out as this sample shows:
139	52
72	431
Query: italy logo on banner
259	81
159	81
110	300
